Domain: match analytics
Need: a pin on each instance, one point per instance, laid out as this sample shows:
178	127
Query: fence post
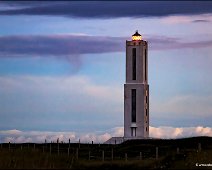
46	146
112	154
126	157
178	150
50	149
58	148
103	155
34	146
68	151
69	141
199	147
77	154
43	148
79	143
9	146
156	153
89	155
140	158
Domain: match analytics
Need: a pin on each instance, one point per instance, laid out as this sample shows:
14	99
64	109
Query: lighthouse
136	89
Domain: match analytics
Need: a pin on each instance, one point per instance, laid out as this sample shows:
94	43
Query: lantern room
136	36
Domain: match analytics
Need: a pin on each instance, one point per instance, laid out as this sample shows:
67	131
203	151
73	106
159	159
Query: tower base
119	140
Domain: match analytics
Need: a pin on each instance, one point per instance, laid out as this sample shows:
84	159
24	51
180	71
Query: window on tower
133	131
133	114
145	64
134	63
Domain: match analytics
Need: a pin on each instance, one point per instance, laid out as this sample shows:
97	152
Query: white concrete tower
136	89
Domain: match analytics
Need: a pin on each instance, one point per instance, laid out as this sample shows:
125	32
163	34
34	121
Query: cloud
72	86
95	9
36	136
169	43
192	105
70	47
66	47
9	5
187	19
171	132
58	45
155	132
65	101
10	132
201	20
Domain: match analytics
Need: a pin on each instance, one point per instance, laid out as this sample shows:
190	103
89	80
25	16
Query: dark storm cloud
58	45
167	43
74	45
107	9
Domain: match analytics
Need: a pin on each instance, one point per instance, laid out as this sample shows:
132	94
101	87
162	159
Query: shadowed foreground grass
188	153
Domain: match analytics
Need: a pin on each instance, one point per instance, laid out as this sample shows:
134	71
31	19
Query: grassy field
188	153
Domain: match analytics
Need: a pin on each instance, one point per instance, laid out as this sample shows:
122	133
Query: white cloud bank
155	132
172	132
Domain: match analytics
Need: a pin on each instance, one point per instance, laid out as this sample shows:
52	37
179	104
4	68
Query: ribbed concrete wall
140	84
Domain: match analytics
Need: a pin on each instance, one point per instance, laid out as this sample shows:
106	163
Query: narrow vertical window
134	63
135	131
146	103
145	64
133	105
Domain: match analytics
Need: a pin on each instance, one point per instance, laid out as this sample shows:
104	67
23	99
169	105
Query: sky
62	68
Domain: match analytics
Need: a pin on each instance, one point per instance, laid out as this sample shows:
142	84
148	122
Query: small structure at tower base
115	140
119	140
